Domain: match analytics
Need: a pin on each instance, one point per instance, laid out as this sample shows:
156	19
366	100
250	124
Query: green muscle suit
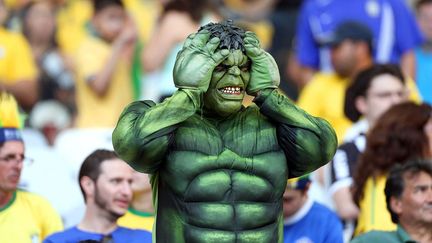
219	169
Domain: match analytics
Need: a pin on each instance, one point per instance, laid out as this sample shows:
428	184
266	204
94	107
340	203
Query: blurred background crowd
73	65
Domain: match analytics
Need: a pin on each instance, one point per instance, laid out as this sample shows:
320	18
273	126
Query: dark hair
91	165
396	179
361	84
397	136
99	5
231	36
420	3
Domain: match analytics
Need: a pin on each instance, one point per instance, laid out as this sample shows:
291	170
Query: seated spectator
18	72
105	182
24	216
301	214
401	133
370	94
408	193
140	214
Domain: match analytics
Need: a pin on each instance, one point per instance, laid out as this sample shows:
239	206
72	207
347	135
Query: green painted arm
308	142
142	134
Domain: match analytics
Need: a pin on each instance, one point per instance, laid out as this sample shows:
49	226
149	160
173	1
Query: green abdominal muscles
222	198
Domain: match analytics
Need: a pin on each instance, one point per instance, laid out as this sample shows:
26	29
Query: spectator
73	18
423	53
408	193
50	118
105	182
140	214
24	216
18	72
104	82
351	53
301	214
351	48
370	94
160	52
55	80
393	26
401	133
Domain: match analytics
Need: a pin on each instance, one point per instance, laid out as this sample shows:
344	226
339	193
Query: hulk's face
227	86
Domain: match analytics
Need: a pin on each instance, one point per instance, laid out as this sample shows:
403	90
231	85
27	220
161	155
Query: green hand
196	61
264	70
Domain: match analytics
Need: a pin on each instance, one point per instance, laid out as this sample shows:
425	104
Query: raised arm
143	132
308	142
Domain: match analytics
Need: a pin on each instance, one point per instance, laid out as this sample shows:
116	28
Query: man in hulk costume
219	169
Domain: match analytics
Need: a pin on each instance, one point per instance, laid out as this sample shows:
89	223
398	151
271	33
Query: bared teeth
231	90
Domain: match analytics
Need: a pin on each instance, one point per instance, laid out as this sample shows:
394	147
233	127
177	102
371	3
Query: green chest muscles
235	154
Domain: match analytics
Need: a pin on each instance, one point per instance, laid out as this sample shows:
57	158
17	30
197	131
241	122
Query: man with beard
105	182
218	169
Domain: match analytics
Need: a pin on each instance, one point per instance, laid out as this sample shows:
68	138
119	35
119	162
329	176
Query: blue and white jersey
313	223
392	23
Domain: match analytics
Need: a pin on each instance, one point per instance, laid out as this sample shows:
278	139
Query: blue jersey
313	223
119	235
392	23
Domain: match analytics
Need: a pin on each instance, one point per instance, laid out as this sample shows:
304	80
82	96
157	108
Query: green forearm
180	106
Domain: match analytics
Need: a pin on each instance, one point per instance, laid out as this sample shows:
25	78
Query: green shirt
396	236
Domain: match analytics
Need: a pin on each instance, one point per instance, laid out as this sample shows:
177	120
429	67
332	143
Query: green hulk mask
219	169
228	84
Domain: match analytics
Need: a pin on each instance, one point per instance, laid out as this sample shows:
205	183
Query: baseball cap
350	30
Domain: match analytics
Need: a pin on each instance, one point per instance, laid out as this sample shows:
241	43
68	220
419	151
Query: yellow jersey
137	220
373	208
100	111
28	218
16	59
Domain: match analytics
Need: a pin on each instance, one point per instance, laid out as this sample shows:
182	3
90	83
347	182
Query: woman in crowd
403	132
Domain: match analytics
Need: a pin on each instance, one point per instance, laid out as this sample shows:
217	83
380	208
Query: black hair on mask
231	36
